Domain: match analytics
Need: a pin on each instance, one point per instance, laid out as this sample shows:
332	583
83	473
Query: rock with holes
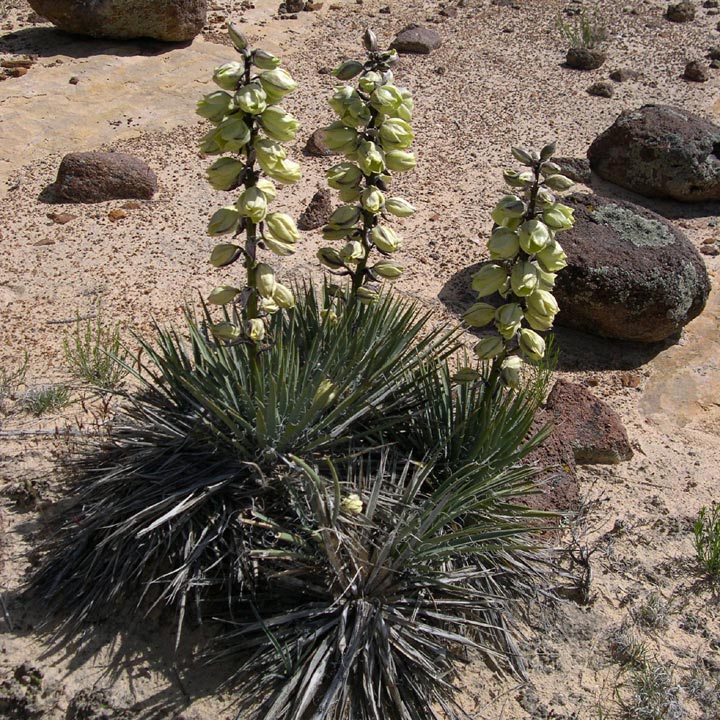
660	151
90	177
169	20
318	211
631	275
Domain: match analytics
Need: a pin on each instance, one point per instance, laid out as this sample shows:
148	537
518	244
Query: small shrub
706	540
652	612
94	353
46	398
11	380
652	695
626	648
587	31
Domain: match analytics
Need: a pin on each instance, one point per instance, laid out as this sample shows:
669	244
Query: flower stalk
525	258
250	125
373	131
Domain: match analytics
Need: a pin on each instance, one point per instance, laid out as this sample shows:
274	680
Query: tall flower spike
373	132
525	257
250	125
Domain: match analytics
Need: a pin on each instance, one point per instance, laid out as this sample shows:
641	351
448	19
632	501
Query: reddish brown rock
168	20
631	275
593	429
660	151
316	146
583	58
416	39
318	211
90	177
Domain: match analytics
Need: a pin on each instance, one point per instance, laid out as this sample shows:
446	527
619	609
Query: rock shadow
577	350
50	41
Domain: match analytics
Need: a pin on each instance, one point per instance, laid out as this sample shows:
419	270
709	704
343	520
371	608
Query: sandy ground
497	80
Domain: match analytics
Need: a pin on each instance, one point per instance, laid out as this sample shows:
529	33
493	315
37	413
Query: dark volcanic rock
90	177
696	71
416	39
582	58
681	12
624	74
660	151
602	88
169	20
630	275
577	169
316	146
318	211
590	426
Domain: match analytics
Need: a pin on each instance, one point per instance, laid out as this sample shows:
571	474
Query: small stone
17	63
44	241
711	4
74	80
710	250
602	88
681	12
696	71
294	6
630	380
61	218
581	58
313	6
316	146
116	214
131	205
715	64
624	74
714	52
384	10
416	39
318	211
16	72
577	169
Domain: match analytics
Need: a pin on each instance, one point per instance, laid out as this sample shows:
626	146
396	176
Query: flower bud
507	319
223	174
224	254
387	269
538	321
558	182
225	331
277	83
370	41
508	211
346	216
366	296
345	174
267	188
534	236
269	151
552	258
330	258
351	504
544	196
255	329
330	233
466	375
264	60
523	279
233	134
348	70
550	168
395	134
531	344
542	302
522	155
252	204
229	75
352	252
399	207
238	38
286	172
350	194
324	396
265	279
489	347
283	249
385	99
370	159
222	295
283	296
489	279
368	82
399	160
340	138
558	217
251	99
282	227
214	106
372	200
504	244
278	124
267	305
385	239
479	314
510	371
547	152
225	220
546	280
517	179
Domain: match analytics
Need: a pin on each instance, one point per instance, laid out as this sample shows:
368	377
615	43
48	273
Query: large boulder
630	275
90	177
660	151
169	20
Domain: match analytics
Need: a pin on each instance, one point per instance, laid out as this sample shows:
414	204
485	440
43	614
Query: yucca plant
161	504
381	583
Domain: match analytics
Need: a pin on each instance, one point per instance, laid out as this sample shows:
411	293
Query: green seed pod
558	182
385	239
348	70
399	207
222	295
214	106
531	344
479	314
330	258
251	99
489	279
388	269
224	254
229	75
224	173
489	347
238	38
534	236
252	204
508	319
277	84
510	371
399	160
264	60
225	220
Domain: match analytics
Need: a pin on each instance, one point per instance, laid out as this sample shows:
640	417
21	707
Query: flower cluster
250	125
525	257
374	133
